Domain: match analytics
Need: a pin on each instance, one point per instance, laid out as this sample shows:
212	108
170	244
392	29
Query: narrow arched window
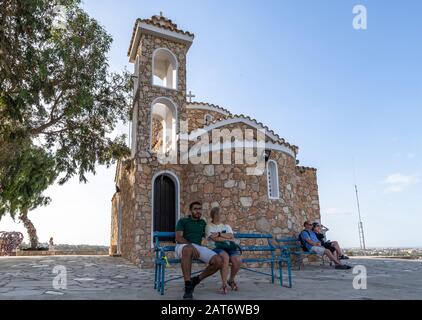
207	119
164	68
272	180
163	127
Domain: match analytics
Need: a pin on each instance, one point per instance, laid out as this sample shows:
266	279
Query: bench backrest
266	247
160	236
289	243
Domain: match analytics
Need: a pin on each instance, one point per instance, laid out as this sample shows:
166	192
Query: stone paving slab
104	277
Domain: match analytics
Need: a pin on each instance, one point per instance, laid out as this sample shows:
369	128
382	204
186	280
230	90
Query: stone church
152	194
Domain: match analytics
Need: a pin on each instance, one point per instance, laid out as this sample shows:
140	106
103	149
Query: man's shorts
329	246
318	250
205	254
231	253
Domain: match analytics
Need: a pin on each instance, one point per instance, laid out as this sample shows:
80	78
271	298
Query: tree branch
53	121
50	123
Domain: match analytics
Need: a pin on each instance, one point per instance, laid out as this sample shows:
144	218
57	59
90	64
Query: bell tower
158	51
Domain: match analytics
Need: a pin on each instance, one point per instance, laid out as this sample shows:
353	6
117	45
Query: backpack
303	242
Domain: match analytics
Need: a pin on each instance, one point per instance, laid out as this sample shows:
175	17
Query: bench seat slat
168	248
176	260
257	248
248	260
252	236
287	240
163	234
290	246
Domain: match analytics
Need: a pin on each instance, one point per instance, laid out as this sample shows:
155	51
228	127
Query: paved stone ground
103	277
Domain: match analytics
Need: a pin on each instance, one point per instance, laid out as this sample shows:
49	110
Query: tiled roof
210	105
158	21
279	140
303	169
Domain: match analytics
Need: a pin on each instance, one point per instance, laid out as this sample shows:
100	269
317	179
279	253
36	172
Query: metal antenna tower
360	224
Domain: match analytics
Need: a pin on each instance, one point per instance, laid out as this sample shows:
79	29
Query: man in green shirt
189	234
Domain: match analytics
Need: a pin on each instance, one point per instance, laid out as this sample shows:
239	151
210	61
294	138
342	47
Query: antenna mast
360	224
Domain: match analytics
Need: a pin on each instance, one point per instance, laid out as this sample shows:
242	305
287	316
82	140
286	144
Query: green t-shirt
193	230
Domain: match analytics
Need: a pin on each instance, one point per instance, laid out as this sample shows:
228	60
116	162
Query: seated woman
333	246
217	232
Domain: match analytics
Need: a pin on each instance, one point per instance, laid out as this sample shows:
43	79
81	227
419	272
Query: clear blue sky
343	96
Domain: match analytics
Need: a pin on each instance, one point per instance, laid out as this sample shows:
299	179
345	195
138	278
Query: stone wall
244	198
114	226
126	199
157	135
22	253
307	195
196	117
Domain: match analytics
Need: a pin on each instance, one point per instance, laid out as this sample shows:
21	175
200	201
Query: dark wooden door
164	204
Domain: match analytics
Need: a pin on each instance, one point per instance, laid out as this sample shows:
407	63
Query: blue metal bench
162	260
272	260
292	246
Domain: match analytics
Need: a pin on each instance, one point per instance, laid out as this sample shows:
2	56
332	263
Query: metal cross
190	96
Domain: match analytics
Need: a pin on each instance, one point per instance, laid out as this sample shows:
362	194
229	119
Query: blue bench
162	260
272	260
292	246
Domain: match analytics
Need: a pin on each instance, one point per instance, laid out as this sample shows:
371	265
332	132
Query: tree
59	103
30	171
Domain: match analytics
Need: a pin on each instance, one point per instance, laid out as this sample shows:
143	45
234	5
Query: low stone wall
61	253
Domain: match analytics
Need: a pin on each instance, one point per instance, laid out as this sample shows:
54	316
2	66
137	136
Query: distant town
397	253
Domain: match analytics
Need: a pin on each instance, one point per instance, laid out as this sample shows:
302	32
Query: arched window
272	180
207	119
164	68
163	127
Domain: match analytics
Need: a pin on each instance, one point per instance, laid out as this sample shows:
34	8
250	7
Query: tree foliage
59	103
56	88
30	171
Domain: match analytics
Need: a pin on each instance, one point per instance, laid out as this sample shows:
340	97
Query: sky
350	99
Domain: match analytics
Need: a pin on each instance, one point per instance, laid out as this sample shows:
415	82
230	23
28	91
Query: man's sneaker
343	257
188	292
190	286
195	281
343	267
